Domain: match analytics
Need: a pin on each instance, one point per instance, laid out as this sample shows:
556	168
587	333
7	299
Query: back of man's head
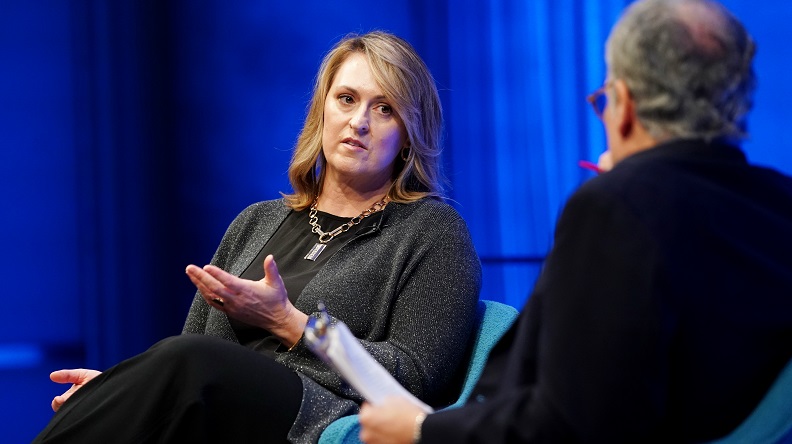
688	66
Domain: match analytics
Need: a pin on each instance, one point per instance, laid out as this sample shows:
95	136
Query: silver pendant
315	251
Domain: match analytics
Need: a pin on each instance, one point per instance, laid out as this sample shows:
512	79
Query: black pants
184	389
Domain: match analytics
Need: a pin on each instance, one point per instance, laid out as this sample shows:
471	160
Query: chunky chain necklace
325	237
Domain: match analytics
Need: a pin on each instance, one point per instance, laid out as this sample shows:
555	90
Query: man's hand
392	422
605	161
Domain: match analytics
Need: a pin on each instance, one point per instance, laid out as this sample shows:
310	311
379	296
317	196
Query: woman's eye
346	98
385	109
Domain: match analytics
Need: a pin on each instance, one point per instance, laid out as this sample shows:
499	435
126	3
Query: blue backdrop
134	131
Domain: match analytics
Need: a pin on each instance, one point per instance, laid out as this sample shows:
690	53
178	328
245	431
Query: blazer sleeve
586	360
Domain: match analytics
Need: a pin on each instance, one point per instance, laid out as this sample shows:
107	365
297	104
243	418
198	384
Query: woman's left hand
261	303
76	377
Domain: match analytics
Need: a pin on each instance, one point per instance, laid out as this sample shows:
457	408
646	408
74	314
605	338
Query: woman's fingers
222	281
210	288
76	377
65	376
272	277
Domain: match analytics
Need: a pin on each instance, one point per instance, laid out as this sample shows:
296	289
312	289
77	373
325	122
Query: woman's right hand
262	303
77	378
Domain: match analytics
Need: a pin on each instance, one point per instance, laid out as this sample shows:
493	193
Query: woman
364	231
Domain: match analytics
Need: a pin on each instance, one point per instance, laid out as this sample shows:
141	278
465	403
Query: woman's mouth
355	143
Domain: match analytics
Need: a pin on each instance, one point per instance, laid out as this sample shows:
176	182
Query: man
664	310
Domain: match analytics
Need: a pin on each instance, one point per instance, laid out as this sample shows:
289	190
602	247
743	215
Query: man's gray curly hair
688	66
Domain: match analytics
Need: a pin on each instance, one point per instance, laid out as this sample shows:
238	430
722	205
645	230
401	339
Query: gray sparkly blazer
406	287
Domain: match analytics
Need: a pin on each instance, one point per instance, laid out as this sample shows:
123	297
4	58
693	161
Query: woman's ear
405	152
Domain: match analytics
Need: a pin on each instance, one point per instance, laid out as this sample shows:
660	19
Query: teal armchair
771	420
494	318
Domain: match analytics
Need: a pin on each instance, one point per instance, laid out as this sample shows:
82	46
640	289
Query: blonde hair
407	83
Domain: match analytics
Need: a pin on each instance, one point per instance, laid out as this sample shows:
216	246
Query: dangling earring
405	153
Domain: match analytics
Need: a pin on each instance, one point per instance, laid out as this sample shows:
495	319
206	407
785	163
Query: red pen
590	166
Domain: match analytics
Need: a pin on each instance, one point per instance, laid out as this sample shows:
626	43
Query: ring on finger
218	301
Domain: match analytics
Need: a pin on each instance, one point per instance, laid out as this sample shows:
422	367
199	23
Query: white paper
336	345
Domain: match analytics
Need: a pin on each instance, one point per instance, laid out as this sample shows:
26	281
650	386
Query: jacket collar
701	149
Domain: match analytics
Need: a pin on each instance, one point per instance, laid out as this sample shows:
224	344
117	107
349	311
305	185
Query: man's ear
624	109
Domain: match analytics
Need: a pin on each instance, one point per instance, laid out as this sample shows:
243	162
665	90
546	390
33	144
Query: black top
289	245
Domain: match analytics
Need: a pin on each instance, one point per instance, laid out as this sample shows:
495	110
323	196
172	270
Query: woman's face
362	135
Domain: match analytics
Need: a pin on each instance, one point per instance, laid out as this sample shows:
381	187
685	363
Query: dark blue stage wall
134	131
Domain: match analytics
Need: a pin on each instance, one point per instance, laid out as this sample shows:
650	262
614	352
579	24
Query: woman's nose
359	121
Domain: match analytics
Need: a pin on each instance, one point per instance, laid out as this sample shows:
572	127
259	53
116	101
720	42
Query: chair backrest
494	318
771	420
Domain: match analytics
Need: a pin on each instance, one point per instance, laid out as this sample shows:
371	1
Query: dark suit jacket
663	312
